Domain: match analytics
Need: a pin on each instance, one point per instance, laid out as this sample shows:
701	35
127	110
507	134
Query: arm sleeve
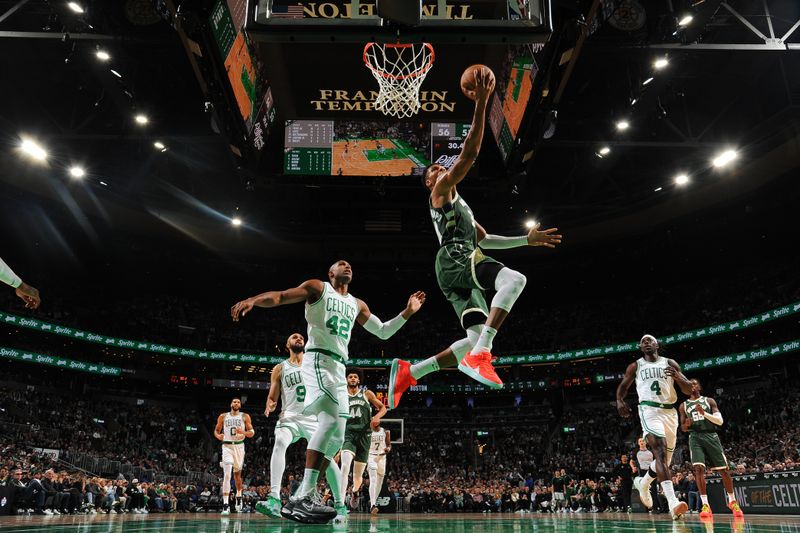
716	418
498	242
7	275
384	330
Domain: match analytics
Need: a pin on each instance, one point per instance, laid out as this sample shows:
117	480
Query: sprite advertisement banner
583	353
52	360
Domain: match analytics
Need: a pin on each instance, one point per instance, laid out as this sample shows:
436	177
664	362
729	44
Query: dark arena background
162	160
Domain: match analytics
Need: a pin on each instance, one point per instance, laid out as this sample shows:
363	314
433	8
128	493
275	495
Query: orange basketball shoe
479	367
400	379
737	511
705	512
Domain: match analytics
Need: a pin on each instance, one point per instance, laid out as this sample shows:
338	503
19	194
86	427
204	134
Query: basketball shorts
357	442
300	425
660	422
706	450
326	385
233	454
463	275
558	496
377	464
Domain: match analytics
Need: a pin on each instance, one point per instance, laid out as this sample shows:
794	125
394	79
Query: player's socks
423	368
731	497
704	499
484	343
309	484
649	477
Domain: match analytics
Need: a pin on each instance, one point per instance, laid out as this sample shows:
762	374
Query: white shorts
326	386
377	464
301	426
660	422
233	454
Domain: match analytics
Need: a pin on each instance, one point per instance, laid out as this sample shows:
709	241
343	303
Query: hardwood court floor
401	523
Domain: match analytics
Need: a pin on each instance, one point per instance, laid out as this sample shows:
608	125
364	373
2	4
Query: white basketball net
400	70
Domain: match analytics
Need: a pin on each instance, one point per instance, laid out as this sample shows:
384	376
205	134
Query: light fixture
530	223
724	158
685	21
605	150
115	73
660	63
657	189
75	6
623	125
681	179
102	55
33	149
633	102
648	80
141	119
159	145
236	221
77	172
104	184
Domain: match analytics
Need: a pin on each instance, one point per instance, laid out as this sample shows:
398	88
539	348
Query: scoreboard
308	147
447	140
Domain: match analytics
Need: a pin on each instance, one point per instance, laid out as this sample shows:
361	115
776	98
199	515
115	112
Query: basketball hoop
400	70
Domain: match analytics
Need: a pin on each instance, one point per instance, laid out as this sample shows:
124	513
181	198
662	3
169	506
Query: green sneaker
271	507
341	514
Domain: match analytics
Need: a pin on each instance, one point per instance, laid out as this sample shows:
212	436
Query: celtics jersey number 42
330	322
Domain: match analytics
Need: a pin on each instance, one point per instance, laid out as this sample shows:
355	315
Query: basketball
468	79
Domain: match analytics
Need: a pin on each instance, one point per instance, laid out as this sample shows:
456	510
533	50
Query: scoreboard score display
308	147
447	140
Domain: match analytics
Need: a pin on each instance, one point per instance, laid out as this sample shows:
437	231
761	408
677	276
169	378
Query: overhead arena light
141	119
236	221
77	172
75	6
623	125
159	145
102	55
685	21
530	223
33	149
660	63
115	73
648	80
605	150
681	179
657	189
724	158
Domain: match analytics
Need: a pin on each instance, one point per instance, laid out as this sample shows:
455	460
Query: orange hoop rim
418	72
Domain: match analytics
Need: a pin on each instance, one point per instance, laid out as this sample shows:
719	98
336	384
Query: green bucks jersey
454	223
360	412
652	384
293	393
699	422
330	322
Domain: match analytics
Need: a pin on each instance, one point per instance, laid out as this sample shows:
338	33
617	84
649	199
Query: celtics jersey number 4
330	322
652	383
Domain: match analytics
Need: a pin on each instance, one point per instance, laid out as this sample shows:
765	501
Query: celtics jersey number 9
652	383
293	391
330	322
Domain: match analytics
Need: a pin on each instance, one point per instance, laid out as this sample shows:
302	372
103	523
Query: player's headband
649	337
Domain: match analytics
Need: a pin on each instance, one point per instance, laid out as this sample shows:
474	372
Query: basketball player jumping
655	378
28	294
700	416
232	428
330	311
355	449
380	445
286	384
463	271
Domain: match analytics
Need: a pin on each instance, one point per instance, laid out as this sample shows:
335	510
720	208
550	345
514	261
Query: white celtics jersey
378	442
293	393
652	385
229	426
330	322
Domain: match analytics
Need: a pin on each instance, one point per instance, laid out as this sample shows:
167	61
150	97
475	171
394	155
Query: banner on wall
776	493
61	362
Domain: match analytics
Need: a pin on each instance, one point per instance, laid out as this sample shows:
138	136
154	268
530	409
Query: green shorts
706	450
358	443
455	272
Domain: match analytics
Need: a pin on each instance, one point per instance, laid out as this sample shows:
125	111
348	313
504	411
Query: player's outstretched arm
384	330
218	428
308	291
547	238
377	404
484	85
28	294
674	371
274	389
622	390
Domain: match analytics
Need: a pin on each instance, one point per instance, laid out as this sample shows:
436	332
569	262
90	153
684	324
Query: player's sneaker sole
679	510
475	374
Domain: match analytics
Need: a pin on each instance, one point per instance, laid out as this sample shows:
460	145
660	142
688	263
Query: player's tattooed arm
274	389
308	291
371	398
673	370
218	428
622	390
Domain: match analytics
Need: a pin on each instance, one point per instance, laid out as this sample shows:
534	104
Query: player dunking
655	378
380	445
232	428
700	416
330	311
355	449
286	384
463	271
